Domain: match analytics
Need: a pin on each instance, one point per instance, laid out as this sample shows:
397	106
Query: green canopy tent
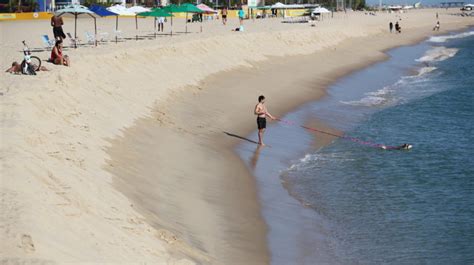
171	9
77	10
184	8
156	12
189	8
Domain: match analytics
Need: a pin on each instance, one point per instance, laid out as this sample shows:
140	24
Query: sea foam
373	99
438	54
444	38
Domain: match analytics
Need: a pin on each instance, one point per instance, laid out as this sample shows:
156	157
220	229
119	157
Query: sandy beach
128	155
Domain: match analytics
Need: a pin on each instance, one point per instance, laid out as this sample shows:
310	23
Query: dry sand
122	157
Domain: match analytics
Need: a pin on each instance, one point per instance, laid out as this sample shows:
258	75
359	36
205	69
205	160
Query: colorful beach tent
77	10
205	9
156	12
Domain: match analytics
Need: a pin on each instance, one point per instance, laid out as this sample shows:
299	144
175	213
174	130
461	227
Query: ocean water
364	205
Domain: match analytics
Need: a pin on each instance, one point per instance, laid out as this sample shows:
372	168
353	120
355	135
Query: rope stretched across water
348	138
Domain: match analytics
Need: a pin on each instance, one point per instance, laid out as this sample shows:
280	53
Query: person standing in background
390	26
161	24
224	16
57	24
241	16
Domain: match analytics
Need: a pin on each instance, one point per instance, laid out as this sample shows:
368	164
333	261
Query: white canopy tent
319	12
121	10
278	5
138	9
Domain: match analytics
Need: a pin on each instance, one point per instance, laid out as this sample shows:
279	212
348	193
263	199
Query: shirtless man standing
262	112
57	24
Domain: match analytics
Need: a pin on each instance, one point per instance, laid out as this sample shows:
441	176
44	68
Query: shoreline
210	89
130	231
293	145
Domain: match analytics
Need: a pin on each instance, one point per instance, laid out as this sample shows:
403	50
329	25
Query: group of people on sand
398	29
241	15
57	57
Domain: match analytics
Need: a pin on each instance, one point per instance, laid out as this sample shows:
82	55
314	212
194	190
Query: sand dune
58	203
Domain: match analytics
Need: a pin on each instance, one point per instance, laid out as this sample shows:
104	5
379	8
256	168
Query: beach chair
73	41
104	37
118	35
48	43
90	38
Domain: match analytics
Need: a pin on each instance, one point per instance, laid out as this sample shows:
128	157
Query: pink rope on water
348	138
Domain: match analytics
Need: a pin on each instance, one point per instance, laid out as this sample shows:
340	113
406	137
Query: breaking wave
438	54
444	38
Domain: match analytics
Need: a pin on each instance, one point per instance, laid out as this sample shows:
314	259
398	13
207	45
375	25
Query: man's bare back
56	21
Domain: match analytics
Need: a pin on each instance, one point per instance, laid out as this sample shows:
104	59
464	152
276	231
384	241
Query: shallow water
366	205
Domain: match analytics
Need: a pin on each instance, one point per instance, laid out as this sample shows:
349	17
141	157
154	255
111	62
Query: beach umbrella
189	8
138	9
279	5
171	9
77	10
103	12
123	11
157	12
205	9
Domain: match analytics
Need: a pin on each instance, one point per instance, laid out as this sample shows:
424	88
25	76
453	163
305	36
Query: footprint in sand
27	243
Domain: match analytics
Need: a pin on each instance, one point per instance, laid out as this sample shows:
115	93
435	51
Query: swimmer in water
401	147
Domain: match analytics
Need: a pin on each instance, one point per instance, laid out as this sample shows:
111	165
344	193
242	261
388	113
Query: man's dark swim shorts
261	123
58	32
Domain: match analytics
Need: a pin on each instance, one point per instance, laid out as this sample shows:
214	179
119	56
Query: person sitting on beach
16	68
241	28
57	56
398	29
262	112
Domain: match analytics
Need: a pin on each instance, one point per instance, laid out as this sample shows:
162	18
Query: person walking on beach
262	112
241	16
436	27
57	24
390	26
224	16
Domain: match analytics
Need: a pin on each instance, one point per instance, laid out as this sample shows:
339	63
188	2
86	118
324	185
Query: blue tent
103	12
